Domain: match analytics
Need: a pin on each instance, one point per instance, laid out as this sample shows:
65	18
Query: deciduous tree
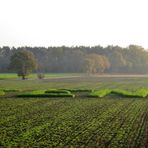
23	62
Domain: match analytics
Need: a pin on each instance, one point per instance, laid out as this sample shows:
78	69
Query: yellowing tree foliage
95	63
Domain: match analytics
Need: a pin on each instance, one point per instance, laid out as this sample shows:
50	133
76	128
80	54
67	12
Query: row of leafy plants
121	92
73	123
54	93
71	92
47	93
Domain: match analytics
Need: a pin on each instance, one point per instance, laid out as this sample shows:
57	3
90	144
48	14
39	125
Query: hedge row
58	91
46	95
79	90
105	92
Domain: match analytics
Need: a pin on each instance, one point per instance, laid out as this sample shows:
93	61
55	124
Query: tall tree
23	62
95	63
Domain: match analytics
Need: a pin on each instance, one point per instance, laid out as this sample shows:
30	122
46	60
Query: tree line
81	59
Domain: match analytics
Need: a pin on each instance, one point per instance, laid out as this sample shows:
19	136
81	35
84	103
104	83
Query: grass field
4	76
110	121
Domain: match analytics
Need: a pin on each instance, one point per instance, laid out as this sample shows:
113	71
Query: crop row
73	122
53	93
47	93
78	92
121	92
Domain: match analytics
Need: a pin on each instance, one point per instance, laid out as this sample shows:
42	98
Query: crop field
81	111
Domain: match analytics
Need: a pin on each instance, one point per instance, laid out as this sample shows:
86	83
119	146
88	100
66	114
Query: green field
4	76
110	121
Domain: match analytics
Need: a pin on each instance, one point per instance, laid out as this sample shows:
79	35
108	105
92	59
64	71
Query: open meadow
75	119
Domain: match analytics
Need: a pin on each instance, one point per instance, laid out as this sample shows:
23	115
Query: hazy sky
73	22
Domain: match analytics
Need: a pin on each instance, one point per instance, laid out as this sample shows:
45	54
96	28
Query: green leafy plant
78	90
58	91
100	93
2	93
105	92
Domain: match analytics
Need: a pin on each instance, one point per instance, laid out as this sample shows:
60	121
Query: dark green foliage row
53	92
58	91
11	90
46	95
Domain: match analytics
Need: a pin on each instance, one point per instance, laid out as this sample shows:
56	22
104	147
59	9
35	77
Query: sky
73	22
